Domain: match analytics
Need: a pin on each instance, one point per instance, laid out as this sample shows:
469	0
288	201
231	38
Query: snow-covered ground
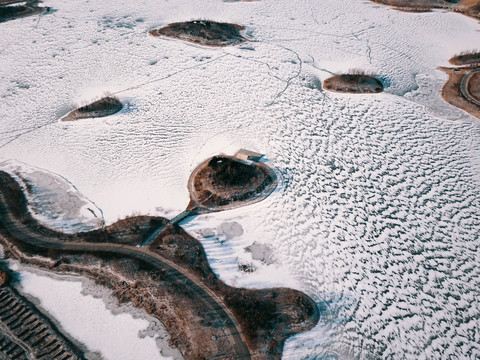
377	217
107	335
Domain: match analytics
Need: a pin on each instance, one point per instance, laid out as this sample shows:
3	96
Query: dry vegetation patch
223	180
267	317
203	32
466	58
129	231
354	82
467	7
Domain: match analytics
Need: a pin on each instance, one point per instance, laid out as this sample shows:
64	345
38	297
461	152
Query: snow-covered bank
93	318
54	201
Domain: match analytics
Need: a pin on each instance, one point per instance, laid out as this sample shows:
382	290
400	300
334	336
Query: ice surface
378	214
87	319
53	201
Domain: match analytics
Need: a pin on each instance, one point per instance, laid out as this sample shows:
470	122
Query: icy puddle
88	320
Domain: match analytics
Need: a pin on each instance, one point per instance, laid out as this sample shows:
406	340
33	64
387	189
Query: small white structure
247	155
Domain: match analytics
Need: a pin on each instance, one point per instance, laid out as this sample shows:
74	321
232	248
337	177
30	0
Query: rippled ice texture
377	217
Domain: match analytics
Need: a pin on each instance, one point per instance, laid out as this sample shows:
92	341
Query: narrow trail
465	89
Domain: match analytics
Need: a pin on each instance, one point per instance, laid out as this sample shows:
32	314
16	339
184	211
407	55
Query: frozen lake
377	217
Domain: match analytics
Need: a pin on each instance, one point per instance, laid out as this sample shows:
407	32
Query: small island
8	11
229	181
203	32
355	83
105	106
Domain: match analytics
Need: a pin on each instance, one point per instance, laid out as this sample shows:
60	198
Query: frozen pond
88	320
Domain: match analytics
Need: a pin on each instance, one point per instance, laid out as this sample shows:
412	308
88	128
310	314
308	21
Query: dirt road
172	272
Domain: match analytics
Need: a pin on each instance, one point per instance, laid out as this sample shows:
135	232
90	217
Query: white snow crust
378	214
87	319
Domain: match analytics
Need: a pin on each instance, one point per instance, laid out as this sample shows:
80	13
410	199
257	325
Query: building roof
247	154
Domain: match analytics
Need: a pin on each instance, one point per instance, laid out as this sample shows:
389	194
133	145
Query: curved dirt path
171	271
464	87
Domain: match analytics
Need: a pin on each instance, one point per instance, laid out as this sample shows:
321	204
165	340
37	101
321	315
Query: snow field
377	218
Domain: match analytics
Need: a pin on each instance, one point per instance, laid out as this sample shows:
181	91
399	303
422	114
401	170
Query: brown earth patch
468	58
267	317
103	107
467	7
451	91
223	181
474	86
203	32
3	278
353	83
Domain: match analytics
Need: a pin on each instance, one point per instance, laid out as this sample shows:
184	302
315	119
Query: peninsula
170	277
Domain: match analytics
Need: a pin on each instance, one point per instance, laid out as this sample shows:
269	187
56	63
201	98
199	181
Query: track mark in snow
26	132
369	53
171	74
290	79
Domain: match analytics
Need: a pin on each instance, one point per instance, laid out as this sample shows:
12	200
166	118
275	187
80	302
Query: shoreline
155	328
27	329
170	280
470	10
452	90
